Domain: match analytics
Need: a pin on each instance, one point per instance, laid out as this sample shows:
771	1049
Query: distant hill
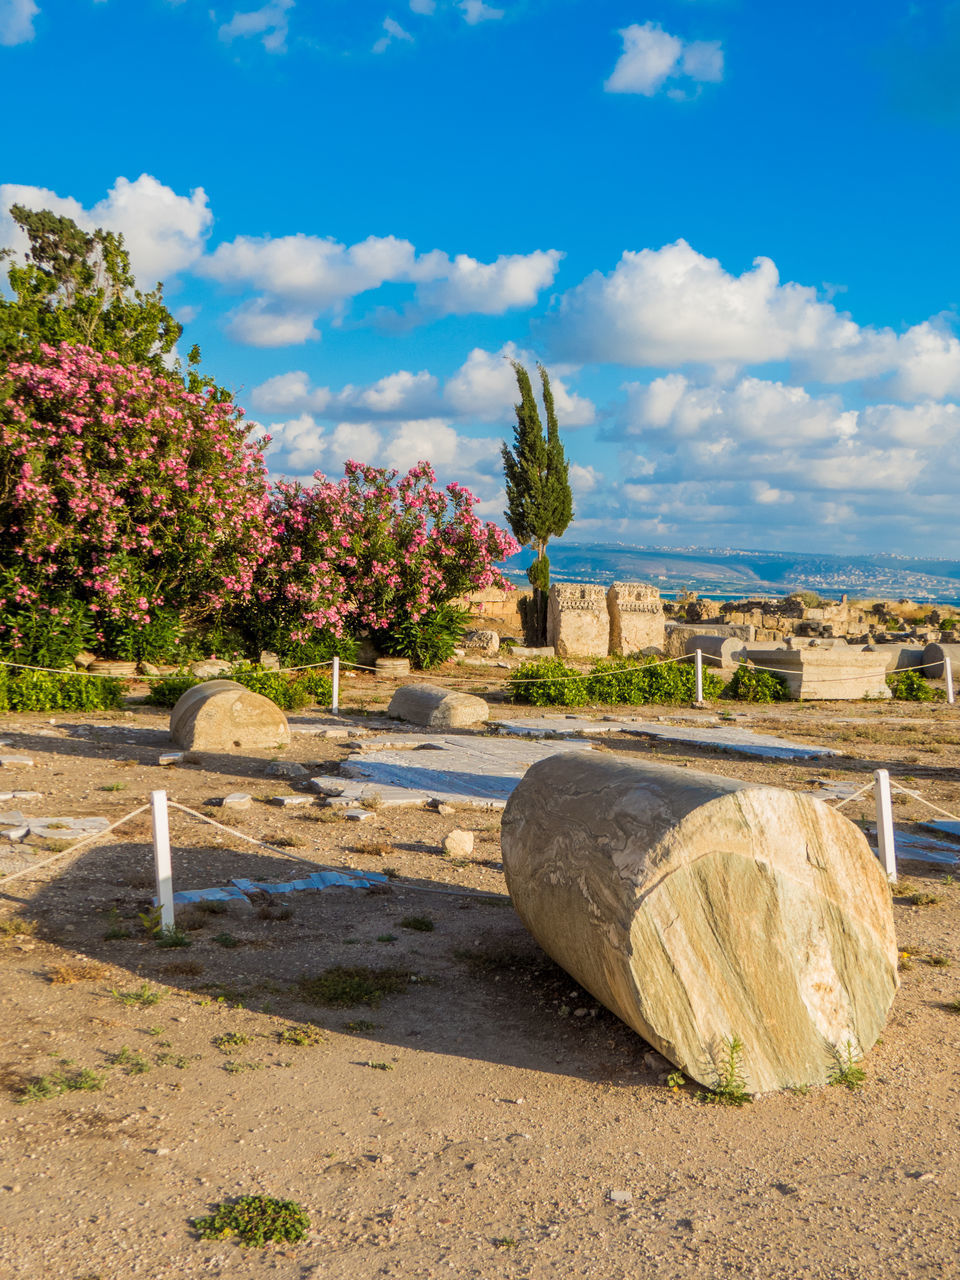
724	573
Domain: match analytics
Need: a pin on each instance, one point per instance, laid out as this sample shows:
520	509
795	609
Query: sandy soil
476	1122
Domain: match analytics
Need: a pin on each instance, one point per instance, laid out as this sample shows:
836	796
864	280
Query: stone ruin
701	909
585	621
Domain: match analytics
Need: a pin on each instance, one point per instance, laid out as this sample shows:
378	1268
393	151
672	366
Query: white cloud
483	389
423	6
264	323
269	22
164	232
651	57
392	31
309	275
475	11
662	308
490	288
16	21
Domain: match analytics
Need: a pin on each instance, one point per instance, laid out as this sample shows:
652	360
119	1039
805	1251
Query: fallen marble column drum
222	715
703	910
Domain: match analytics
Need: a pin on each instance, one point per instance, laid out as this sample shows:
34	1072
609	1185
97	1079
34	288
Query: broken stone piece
13	762
359	815
27	795
170	757
487	642
392	666
435	708
703	910
221	715
269	660
290	802
237	800
286	769
210	667
458	844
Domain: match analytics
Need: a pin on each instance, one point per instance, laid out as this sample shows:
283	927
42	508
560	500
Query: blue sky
728	227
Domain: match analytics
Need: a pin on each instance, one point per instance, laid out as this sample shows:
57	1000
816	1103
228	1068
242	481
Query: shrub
611	681
125	493
548	682
44	691
750	685
910	686
255	1221
289	692
429	641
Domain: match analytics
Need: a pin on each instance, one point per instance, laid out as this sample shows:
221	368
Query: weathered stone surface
286	769
393	666
209	667
526	651
83	659
484	641
435	708
269	660
16	762
147	669
122	669
819	675
899	657
933	656
237	800
721	654
458	843
636	617
222	715
577	620
700	909
676	635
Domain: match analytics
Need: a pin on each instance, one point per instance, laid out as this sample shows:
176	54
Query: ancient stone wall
636	617
577	620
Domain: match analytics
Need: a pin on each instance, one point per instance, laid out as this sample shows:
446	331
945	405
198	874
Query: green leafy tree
539	501
77	286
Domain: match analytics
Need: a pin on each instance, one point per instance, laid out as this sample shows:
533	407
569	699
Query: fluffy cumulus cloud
669	307
653	58
302	445
270	22
482	390
392	30
16	21
475	11
768	462
164	232
302	276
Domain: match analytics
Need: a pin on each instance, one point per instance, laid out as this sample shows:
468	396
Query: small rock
485	641
27	795
445	810
269	660
12	762
148	669
16	834
580	1013
359	815
5	795
239	908
334	733
212	667
620	1197
170	757
290	802
237	800
84	659
286	769
458	844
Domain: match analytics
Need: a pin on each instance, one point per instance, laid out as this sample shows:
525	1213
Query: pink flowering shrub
374	551
127	502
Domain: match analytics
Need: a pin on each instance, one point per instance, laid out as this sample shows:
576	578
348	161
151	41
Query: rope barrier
284	853
856	795
929	803
91	839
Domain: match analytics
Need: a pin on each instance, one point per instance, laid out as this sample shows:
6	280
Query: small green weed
171	936
114	786
178	1060
340	987
300	1035
938	962
359	1026
234	1066
924	900
144	996
13	926
847	1071
116	929
952	1006
255	1221
506	1242
133	1064
386	937
676	1080
59	1082
420	924
226	940
730	1088
230	1040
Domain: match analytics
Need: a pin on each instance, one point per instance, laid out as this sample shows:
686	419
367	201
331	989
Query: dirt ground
487	1119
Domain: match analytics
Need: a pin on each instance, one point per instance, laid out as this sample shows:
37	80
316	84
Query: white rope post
886	849
161	857
948	676
698	662
336	686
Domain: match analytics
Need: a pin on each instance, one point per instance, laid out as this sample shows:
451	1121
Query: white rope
929	803
91	839
856	795
284	853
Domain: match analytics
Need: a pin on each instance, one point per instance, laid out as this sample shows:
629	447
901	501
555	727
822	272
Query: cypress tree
539	501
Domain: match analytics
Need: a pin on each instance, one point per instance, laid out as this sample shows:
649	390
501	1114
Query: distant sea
720	573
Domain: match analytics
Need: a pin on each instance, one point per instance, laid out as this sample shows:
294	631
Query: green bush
750	685
610	682
428	642
910	686
548	682
255	1221
44	691
290	693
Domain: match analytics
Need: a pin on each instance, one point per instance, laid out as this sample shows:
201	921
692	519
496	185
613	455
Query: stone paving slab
571	726
742	742
470	771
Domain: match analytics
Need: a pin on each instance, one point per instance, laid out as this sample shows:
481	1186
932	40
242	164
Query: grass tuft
340	987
